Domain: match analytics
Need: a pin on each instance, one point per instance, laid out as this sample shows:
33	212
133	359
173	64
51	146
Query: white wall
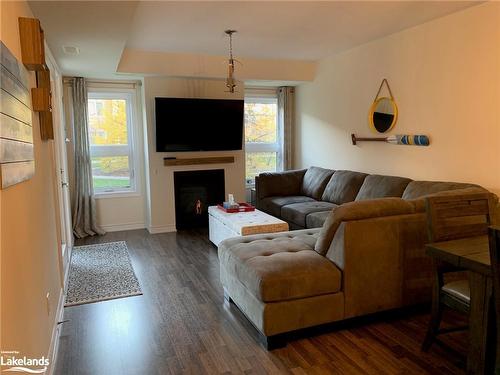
213	67
445	76
161	208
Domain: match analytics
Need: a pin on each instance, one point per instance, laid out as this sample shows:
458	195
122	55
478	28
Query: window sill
116	194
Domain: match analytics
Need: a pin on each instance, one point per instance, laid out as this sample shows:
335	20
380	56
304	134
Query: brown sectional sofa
304	198
362	250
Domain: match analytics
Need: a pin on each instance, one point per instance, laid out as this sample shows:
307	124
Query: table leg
479	324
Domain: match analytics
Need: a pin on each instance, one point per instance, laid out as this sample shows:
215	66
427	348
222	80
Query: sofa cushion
378	186
297	212
314	181
279	269
343	187
272	205
270	184
317	219
307	236
418	189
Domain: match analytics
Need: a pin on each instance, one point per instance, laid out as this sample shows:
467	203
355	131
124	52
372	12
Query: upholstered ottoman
280	282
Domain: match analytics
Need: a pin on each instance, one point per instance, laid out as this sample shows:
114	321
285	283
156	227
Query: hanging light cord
231	45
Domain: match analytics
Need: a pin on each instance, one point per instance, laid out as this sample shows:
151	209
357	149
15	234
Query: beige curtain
84	216
286	114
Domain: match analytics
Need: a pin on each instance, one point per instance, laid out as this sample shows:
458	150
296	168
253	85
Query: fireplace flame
197	207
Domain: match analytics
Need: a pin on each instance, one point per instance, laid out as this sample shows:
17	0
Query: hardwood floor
182	325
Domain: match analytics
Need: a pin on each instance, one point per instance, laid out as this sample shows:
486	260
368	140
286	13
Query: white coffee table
222	225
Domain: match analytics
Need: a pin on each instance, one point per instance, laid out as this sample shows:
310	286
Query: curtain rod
69	80
261	88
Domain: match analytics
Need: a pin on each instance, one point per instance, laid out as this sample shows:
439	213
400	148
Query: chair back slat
451	217
462	208
494	236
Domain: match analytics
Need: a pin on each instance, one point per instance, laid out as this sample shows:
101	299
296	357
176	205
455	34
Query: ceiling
99	29
285	30
300	30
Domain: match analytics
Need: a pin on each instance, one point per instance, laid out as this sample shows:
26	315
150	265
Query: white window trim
264	96
120	150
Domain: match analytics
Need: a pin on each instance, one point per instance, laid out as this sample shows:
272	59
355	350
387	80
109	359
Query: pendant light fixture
230	81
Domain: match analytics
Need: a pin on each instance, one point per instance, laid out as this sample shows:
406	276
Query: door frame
61	164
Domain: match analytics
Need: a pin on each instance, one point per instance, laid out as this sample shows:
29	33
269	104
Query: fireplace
194	192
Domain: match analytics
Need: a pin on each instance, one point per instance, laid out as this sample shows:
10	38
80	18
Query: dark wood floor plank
181	325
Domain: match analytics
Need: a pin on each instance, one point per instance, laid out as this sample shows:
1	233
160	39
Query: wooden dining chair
494	236
451	217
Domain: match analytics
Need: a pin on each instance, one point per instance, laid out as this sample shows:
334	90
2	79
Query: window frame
129	96
265	96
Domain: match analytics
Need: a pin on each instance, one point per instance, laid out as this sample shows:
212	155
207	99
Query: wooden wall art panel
16	133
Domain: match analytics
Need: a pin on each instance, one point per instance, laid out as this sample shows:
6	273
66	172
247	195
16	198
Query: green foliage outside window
260	128
260	122
258	162
108	127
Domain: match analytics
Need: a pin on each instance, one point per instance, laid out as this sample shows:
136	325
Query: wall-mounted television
198	124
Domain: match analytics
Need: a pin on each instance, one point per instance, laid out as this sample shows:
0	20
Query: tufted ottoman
280	282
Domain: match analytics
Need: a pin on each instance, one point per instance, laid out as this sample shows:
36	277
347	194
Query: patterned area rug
101	272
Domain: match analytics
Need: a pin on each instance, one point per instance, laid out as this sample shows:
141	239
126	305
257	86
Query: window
111	141
262	137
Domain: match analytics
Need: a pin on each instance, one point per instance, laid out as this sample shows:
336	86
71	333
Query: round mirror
383	114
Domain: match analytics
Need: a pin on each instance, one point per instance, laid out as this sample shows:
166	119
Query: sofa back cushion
279	183
418	189
314	181
343	187
378	186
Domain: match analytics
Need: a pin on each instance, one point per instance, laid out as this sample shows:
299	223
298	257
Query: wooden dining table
472	254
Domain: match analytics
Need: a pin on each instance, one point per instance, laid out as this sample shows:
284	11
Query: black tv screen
198	124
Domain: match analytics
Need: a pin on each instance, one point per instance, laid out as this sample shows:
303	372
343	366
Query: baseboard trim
56	333
162	229
120	227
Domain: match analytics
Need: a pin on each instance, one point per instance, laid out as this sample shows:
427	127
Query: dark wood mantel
197	161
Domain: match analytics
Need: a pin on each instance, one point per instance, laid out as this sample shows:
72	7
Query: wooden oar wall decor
398	139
